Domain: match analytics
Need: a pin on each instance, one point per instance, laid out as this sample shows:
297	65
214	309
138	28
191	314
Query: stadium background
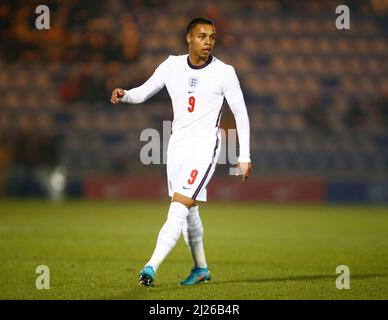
317	96
317	99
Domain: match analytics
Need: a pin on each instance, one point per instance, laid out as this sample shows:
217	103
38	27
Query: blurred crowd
79	31
355	115
297	72
97	31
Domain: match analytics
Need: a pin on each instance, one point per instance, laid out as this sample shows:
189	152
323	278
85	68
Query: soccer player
197	83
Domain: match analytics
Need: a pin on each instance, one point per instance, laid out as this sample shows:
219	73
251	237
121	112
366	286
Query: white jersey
197	95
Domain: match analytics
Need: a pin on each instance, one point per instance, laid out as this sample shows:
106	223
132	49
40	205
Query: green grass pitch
94	250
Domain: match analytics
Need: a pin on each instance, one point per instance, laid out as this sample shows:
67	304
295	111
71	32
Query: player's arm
235	98
140	94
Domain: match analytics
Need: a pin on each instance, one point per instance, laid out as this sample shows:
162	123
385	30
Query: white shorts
188	172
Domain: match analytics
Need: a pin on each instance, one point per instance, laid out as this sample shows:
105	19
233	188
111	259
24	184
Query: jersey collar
200	67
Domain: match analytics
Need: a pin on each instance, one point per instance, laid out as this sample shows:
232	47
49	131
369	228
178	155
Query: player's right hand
117	95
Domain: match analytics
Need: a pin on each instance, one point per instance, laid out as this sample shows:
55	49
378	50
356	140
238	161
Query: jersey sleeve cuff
244	159
126	97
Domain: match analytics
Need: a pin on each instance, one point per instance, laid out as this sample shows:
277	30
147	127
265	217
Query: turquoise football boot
147	276
197	275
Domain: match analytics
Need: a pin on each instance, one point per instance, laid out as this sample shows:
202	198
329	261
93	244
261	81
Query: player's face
202	39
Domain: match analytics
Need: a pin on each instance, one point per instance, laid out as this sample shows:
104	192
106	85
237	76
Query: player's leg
186	182
193	235
193	228
172	228
167	238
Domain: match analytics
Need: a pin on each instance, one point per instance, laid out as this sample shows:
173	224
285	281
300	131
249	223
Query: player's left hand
245	169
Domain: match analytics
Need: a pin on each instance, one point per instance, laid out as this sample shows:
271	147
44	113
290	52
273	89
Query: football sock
193	235
169	234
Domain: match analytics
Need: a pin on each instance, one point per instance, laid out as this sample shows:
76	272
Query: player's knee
186	201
